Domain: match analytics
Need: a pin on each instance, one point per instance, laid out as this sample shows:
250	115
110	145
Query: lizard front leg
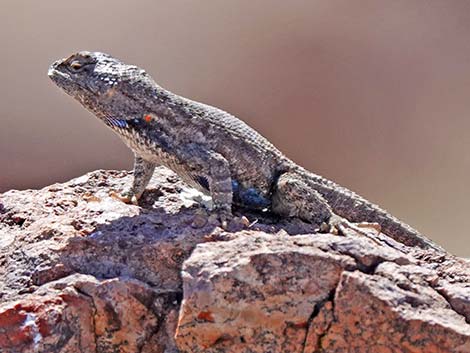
143	171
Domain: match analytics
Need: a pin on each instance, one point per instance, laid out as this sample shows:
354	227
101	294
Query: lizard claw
229	222
345	228
370	225
328	227
221	218
239	223
127	197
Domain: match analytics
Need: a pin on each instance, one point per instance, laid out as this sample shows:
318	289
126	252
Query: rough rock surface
80	271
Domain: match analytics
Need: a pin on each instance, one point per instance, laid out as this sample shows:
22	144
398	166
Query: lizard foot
339	225
370	225
126	197
238	223
229	222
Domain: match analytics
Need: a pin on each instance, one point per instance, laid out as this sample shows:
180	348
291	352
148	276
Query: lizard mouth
63	79
58	77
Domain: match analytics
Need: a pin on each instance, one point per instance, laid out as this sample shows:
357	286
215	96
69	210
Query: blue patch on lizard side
235	186
250	198
117	122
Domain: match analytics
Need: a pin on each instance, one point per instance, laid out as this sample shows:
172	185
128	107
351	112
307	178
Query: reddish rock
92	274
80	271
373	313
319	293
260	291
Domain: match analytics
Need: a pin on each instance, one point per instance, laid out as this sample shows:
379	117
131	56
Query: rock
82	314
314	294
257	291
81	271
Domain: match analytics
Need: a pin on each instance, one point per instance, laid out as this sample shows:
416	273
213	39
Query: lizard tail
349	205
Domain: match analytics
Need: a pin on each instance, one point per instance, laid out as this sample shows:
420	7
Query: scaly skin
209	148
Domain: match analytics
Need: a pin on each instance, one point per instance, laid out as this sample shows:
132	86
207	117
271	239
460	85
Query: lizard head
104	85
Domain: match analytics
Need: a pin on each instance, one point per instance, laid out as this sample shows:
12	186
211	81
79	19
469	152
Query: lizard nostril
53	67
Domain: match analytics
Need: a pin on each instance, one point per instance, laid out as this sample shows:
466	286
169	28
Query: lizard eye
76	65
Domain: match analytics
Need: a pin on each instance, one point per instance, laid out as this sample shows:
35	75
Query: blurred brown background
372	94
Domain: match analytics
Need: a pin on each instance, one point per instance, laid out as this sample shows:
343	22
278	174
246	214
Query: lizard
210	149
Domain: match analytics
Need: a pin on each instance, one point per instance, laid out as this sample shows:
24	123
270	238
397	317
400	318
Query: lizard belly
250	197
155	152
246	194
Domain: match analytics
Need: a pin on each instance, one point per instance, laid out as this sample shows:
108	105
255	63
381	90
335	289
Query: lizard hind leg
292	197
